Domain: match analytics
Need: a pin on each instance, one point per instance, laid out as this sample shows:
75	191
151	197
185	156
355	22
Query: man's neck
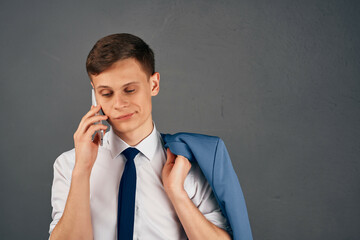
135	137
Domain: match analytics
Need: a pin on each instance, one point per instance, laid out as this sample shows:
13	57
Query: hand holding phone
94	103
86	146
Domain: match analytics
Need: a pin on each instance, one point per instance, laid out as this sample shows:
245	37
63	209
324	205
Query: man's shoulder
68	154
194	146
65	160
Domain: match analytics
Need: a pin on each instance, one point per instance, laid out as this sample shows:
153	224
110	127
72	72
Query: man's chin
121	127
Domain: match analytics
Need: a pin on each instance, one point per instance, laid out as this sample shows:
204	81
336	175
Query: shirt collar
147	146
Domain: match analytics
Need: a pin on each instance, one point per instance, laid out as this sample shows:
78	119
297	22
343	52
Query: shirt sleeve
201	194
60	188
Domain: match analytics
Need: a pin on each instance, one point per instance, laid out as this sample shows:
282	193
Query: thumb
168	165
170	156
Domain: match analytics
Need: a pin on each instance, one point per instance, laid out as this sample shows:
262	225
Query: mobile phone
101	132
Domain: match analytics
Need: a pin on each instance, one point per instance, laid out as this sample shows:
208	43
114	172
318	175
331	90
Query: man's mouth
126	116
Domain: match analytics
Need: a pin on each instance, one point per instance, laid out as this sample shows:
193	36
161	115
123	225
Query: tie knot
130	153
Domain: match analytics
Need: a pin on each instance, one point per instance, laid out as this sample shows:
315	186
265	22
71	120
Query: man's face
125	89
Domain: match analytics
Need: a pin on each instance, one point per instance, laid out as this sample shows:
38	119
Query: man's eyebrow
102	86
108	87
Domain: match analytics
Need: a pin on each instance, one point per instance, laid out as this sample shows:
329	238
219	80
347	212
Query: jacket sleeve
229	193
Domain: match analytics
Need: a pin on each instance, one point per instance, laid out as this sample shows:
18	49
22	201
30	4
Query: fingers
87	136
87	126
90	118
97	138
178	161
169	163
170	156
91	121
92	112
182	161
92	129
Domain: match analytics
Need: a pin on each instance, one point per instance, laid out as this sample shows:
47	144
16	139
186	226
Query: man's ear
92	84
155	83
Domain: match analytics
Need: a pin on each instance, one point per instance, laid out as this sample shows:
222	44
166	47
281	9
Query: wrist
177	195
79	172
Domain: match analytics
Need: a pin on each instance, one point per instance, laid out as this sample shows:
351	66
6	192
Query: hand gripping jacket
212	157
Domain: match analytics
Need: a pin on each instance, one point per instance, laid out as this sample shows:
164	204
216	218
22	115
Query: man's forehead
120	73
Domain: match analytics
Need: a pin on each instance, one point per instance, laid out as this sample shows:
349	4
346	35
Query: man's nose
121	101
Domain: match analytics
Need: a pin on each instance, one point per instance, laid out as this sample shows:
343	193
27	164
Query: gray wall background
278	81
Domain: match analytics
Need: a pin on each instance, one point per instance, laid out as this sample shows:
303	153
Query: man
172	199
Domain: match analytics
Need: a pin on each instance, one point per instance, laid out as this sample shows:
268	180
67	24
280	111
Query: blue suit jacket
213	159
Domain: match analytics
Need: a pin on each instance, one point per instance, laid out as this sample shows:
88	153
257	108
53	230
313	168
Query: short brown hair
120	46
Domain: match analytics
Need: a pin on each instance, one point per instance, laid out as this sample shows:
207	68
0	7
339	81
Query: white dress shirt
155	217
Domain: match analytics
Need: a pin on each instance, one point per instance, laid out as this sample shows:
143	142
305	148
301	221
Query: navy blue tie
126	202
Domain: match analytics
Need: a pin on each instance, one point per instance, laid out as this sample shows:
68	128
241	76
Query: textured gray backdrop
278	81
